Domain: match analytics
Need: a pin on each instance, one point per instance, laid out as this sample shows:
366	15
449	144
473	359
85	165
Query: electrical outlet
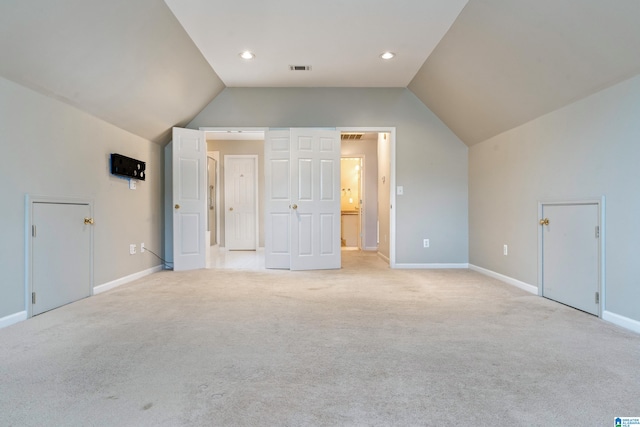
425	243
132	249
505	250
141	247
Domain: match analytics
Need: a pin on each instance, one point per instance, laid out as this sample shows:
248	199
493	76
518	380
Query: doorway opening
351	203
225	145
375	147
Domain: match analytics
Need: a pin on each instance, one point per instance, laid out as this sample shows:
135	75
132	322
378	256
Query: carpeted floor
364	345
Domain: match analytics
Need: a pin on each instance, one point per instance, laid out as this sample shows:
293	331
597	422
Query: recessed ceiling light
387	55
247	55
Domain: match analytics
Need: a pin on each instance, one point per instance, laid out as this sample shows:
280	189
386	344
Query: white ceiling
341	40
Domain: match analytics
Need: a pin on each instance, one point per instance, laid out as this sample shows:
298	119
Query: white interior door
570	255
240	193
277	199
61	255
189	199
315	199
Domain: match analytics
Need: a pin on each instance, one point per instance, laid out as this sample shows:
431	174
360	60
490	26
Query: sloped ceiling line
482	66
505	63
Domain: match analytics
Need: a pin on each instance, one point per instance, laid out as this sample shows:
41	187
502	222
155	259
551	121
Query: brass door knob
177	206
544	221
230	209
294	206
88	221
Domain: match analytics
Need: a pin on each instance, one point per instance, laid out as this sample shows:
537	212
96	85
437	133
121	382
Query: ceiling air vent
300	67
354	136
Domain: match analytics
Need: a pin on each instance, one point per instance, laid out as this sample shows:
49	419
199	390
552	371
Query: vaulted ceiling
483	66
127	62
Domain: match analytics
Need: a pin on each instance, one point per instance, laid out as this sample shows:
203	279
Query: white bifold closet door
302	199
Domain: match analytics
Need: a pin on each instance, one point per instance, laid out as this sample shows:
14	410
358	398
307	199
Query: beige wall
585	150
247	148
52	149
431	162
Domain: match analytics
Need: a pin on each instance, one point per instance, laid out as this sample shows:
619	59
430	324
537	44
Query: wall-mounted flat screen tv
128	167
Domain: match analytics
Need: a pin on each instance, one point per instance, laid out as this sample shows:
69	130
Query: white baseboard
433	266
130	278
621	321
509	280
370	249
12	319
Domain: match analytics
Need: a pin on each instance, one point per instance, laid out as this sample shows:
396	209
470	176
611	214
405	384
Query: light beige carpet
364	345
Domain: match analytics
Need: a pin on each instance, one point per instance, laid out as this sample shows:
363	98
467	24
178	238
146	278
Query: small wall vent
300	67
349	136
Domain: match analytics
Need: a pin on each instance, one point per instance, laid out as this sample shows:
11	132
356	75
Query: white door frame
28	267
256	168
216	156
391	130
601	246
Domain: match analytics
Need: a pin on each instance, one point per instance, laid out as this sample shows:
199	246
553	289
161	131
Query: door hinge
33	297
597	232
597	297
33	230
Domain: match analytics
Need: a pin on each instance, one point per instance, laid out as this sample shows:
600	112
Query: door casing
600	202
216	156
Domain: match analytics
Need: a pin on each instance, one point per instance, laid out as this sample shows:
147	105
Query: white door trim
233	129
600	201
216	156
256	168
391	130
30	199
